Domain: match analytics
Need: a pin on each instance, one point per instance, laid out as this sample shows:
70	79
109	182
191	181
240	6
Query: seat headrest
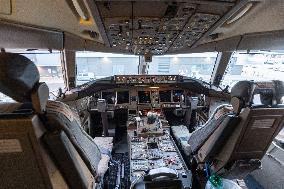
270	92
243	93
266	97
243	90
18	76
279	91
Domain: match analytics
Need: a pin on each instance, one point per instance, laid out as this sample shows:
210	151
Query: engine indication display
165	96
144	97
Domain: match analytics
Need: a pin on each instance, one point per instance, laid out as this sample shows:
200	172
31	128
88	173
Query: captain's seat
42	144
235	150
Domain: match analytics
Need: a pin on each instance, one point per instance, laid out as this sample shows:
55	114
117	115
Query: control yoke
154	174
161	172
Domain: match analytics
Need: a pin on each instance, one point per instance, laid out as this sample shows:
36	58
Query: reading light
85	22
240	13
154	87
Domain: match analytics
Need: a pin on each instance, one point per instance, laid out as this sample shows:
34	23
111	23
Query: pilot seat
236	137
42	144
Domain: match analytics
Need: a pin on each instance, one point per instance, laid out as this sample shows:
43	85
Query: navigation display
177	95
144	97
122	97
165	96
109	97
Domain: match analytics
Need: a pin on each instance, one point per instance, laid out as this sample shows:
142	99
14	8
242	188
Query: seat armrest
105	144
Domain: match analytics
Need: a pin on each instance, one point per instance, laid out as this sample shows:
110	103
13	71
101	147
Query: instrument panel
140	99
140	94
143	97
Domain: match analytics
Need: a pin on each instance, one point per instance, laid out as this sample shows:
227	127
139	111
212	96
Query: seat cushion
71	166
199	136
103	165
60	117
185	147
181	134
104	143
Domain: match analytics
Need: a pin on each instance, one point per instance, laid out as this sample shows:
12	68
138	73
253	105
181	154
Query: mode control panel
147	79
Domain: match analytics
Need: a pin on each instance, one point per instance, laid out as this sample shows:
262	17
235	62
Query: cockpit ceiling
151	27
158	27
58	15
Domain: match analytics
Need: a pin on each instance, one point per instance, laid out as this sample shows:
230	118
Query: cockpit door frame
68	62
221	64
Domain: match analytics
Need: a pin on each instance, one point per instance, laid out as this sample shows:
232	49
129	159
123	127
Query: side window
4	98
257	66
50	70
49	67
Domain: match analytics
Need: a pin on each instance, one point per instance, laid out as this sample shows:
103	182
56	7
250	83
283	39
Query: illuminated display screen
144	97
122	97
165	96
109	97
177	95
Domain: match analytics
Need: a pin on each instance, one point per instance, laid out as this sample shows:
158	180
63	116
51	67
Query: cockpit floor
251	183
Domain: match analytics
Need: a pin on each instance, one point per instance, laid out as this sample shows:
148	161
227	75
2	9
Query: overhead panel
158	27
197	25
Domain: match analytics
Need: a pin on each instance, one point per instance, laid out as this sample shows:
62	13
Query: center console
154	158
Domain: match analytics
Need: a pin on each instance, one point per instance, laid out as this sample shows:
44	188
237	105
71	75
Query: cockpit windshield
195	65
256	65
92	66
